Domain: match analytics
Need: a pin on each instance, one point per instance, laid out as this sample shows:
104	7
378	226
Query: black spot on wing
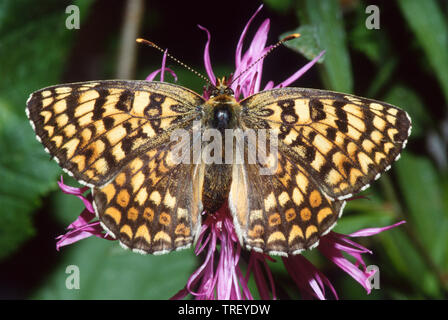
317	110
331	133
98	108
108	123
342	120
124	102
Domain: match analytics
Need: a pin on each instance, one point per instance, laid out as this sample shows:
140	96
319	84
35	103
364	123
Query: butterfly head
220	109
221	88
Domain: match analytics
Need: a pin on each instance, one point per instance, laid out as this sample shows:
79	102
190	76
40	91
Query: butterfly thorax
220	112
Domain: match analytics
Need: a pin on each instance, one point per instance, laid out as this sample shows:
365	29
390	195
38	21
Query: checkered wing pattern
330	146
114	136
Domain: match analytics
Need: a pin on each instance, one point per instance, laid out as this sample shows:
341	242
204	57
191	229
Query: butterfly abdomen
217	181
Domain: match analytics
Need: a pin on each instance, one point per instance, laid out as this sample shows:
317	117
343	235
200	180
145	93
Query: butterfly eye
214	92
229	91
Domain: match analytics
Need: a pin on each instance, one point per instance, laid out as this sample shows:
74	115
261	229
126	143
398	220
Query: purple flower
82	227
221	279
334	244
250	82
162	71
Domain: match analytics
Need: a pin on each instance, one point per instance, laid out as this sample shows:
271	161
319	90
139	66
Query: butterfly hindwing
344	142
93	129
280	213
152	205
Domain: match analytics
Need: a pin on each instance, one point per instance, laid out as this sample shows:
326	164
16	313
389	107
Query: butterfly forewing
93	129
115	137
343	141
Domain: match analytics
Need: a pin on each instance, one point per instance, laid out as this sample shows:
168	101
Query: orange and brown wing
92	129
115	136
280	213
153	205
342	141
330	146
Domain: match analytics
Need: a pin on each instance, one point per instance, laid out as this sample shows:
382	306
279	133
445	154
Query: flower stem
132	20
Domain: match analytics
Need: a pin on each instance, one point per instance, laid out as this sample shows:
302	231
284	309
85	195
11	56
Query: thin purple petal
351	269
154	74
330	249
243	282
162	72
84	218
260	280
258	43
71	190
77	234
220	278
78	192
255	51
372	231
308	278
269	85
207	63
239	47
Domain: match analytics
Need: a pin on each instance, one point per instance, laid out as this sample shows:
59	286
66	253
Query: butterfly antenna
151	44
287	38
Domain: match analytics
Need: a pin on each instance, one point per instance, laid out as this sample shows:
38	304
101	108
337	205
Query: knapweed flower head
220	274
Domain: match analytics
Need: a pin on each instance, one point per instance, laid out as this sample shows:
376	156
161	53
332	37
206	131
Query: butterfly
115	137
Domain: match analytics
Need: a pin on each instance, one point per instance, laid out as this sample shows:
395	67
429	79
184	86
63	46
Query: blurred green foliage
109	272
22	185
413	258
417	253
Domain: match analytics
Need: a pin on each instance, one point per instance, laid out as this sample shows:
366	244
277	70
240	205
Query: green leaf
409	267
384	74
33	49
408	100
280	5
38	61
326	17
371	42
106	271
307	44
423	195
429	25
445	198
26	173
